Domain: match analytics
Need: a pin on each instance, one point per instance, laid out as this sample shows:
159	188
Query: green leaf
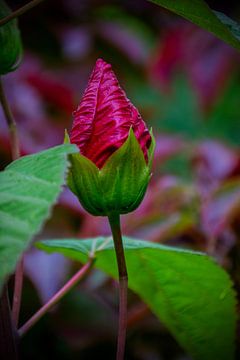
198	12
232	25
188	291
29	187
10	42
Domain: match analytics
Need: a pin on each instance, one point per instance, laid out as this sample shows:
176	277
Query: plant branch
17	293
58	296
20	11
15	155
11	123
114	221
8	346
8	335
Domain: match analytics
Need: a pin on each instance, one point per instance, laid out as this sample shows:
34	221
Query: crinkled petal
103	119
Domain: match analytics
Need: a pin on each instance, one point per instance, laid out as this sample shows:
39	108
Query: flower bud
113	167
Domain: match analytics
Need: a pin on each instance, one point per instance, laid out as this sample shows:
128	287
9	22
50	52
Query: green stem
20	11
114	221
58	296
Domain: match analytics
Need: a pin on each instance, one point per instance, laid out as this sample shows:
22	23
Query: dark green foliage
10	43
198	12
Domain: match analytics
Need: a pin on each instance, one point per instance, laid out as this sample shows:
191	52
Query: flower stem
114	221
20	11
58	296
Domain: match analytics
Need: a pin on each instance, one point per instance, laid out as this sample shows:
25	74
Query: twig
20	11
8	335
63	291
114	221
17	293
8	338
15	155
11	123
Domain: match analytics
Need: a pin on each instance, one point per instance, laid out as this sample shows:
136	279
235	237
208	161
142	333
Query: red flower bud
104	117
111	172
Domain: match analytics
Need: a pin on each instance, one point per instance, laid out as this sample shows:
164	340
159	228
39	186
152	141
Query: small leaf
198	12
188	291
29	187
10	42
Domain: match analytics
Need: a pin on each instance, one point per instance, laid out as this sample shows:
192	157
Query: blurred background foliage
186	84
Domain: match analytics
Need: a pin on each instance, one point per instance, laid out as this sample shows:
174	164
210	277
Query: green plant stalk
8	336
15	155
20	11
58	296
114	221
11	123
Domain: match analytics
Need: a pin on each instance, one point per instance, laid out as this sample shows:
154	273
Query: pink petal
103	118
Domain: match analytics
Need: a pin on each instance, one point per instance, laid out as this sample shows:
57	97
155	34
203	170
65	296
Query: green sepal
119	186
83	181
85	178
124	177
69	177
10	43
151	149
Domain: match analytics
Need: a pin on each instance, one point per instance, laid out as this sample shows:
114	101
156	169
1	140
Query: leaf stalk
58	296
8	325
20	11
11	123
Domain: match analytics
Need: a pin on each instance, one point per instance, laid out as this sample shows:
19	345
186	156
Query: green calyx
10	42
119	186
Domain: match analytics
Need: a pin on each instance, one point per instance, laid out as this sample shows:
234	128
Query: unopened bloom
112	170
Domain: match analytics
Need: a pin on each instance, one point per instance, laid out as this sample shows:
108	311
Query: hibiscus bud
113	167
